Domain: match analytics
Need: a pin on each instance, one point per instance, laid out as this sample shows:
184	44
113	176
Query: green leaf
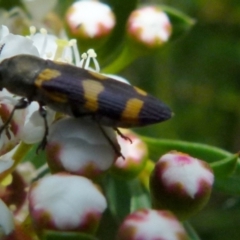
37	158
158	147
140	198
225	167
62	7
108	226
181	23
54	235
10	4
230	185
118	196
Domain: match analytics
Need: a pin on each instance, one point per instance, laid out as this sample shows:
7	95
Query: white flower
3	32
50	47
6	220
66	202
12	45
33	128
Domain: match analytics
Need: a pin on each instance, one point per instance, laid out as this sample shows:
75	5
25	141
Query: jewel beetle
78	92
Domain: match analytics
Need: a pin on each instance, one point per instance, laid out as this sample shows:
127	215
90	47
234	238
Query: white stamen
84	57
44	32
61	45
87	62
32	30
73	44
91	53
96	64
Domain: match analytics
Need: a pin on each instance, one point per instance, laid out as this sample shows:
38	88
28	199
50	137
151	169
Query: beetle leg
22	103
122	135
115	148
43	114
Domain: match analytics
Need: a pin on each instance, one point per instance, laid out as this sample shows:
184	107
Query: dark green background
199	77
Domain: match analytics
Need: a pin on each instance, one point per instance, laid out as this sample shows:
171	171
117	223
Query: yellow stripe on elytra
46	75
91	91
140	91
132	110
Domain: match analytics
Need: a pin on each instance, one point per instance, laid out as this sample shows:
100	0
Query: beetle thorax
18	74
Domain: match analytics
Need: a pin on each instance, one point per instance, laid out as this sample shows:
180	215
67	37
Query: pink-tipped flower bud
10	136
14	194
78	146
150	224
90	20
135	155
181	184
149	26
66	202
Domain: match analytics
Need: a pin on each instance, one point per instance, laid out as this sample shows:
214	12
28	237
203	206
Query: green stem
192	235
126	57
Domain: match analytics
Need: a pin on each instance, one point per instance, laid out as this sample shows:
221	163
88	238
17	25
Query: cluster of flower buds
69	197
147	27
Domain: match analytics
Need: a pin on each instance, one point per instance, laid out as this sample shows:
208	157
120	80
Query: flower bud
10	135
181	184
135	153
149	224
66	202
90	20
149	27
14	194
78	146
